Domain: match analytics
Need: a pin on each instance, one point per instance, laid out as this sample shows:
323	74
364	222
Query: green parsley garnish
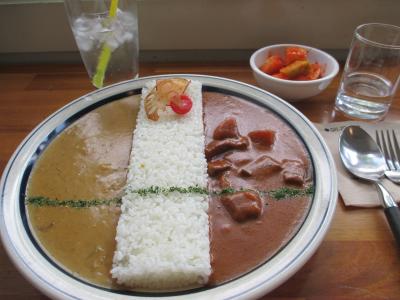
44	201
287	192
167	190
278	194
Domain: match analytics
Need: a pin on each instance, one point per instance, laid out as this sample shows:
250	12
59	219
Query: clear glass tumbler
106	33
372	72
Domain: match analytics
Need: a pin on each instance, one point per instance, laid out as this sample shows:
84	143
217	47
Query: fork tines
390	148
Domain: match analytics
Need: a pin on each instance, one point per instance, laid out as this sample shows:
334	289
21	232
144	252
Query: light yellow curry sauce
87	161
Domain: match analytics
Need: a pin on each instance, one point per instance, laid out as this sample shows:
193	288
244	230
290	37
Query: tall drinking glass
372	72
106	33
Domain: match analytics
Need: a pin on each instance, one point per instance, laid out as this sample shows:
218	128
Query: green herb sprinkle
278	194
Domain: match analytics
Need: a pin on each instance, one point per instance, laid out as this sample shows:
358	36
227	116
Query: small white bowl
293	90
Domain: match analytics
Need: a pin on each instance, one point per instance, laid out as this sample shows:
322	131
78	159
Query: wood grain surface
358	258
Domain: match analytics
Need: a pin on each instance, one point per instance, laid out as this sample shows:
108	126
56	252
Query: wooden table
358	258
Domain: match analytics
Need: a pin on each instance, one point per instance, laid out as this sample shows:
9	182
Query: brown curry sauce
89	160
239	246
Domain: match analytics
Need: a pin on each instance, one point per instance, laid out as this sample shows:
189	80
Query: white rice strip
163	240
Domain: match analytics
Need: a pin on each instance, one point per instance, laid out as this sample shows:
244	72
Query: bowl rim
330	76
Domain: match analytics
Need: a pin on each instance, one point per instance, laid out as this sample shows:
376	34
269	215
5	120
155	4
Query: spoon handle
385	196
392	211
393	217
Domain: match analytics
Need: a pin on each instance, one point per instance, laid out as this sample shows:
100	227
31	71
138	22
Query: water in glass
364	95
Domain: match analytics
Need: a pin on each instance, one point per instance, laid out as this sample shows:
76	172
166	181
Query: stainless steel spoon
362	157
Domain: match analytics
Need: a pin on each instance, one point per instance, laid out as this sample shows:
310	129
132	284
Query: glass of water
372	72
106	33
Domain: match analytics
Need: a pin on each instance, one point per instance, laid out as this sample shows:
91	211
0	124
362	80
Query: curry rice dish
207	195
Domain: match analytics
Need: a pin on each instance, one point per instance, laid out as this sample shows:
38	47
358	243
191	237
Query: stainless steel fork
390	148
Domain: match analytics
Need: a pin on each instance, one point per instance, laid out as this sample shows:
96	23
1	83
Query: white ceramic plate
57	283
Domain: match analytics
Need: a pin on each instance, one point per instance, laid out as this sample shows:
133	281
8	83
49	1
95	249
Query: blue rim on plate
51	279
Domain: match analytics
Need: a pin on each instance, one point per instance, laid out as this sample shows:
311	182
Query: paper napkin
356	192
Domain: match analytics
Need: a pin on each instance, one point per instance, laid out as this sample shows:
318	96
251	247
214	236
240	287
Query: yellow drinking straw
104	58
